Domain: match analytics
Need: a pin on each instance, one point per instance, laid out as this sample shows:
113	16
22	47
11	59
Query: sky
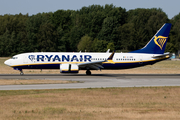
32	7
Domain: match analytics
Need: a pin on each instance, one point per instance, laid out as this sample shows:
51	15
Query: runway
94	81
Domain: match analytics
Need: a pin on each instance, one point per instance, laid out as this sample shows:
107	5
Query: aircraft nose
7	62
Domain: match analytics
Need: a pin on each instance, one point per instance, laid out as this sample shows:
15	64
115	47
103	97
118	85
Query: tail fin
157	44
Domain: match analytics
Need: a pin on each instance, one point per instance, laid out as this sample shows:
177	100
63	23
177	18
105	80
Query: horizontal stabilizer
168	55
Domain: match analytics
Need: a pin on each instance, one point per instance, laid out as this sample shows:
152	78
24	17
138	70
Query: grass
27	82
104	103
163	67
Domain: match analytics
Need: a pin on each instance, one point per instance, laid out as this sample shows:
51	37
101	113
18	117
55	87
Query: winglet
111	56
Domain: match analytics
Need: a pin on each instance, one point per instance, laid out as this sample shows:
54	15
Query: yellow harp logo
160	40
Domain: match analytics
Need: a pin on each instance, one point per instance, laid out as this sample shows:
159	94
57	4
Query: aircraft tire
88	72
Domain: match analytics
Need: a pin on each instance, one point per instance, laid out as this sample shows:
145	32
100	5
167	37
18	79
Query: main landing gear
88	72
21	72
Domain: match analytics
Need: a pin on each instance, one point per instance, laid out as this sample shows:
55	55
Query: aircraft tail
157	44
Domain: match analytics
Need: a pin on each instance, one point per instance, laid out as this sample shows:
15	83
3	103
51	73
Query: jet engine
69	68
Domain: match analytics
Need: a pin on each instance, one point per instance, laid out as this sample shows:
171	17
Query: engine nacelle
69	68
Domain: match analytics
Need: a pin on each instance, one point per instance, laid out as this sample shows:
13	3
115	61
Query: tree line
92	29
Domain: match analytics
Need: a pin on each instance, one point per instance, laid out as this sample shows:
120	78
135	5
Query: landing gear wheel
88	72
21	72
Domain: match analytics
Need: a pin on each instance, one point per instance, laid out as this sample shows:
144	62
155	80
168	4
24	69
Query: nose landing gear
21	72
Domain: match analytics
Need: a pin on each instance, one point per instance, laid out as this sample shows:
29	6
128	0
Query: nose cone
7	62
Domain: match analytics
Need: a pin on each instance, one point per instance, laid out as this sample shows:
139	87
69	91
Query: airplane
72	62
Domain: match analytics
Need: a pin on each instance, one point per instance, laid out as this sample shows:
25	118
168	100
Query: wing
96	65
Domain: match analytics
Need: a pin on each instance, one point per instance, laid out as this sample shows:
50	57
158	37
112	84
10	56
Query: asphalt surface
94	81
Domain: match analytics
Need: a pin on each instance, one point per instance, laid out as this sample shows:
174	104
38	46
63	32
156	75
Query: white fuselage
52	60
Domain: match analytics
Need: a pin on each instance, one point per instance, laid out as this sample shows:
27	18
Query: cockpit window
14	58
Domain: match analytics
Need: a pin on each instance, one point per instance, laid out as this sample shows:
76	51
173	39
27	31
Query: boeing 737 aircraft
72	62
